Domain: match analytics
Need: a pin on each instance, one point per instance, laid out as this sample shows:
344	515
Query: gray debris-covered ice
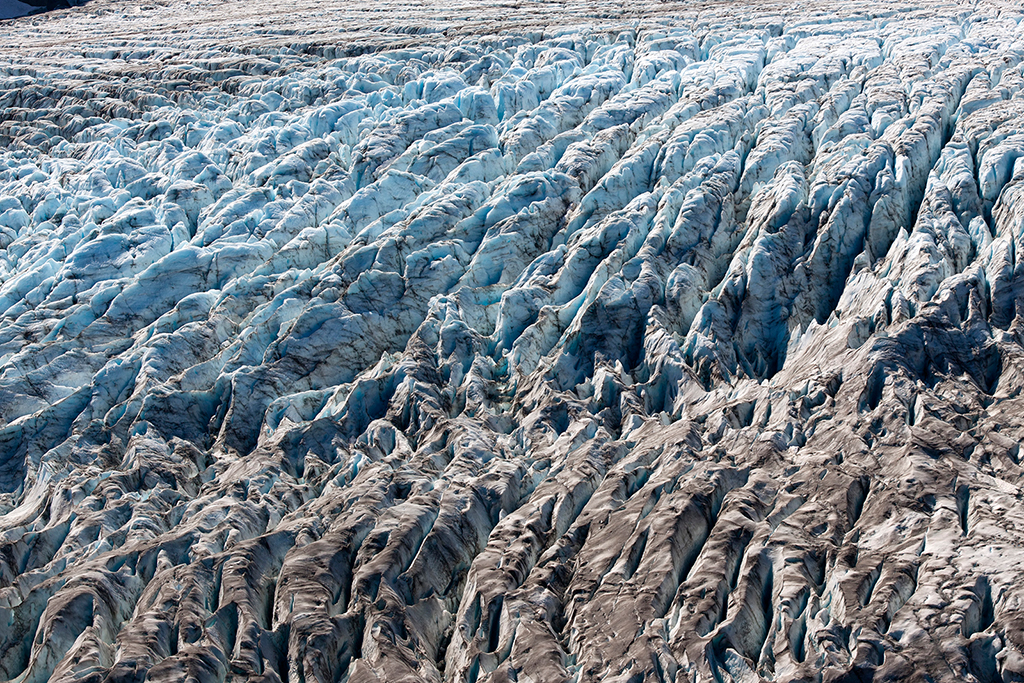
512	342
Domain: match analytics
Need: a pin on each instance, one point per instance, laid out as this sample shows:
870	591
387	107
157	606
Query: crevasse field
512	342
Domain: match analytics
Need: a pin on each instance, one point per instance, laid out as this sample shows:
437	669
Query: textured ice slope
512	342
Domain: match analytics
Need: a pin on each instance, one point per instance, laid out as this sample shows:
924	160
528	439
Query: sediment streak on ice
539	342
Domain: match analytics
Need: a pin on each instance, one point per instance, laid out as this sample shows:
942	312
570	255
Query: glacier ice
512	342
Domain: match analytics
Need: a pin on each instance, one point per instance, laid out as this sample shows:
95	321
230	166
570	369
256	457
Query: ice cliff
512	342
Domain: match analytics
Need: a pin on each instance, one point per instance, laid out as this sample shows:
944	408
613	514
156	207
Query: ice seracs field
512	342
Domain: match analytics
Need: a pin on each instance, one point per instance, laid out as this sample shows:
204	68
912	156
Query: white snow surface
533	341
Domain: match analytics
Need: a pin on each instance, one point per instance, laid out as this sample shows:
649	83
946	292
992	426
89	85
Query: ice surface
512	342
11	9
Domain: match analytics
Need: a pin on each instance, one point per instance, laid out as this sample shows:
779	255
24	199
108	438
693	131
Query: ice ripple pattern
563	345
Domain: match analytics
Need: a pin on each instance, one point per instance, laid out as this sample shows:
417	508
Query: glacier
512	342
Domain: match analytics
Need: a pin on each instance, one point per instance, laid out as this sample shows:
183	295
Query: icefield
512	342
